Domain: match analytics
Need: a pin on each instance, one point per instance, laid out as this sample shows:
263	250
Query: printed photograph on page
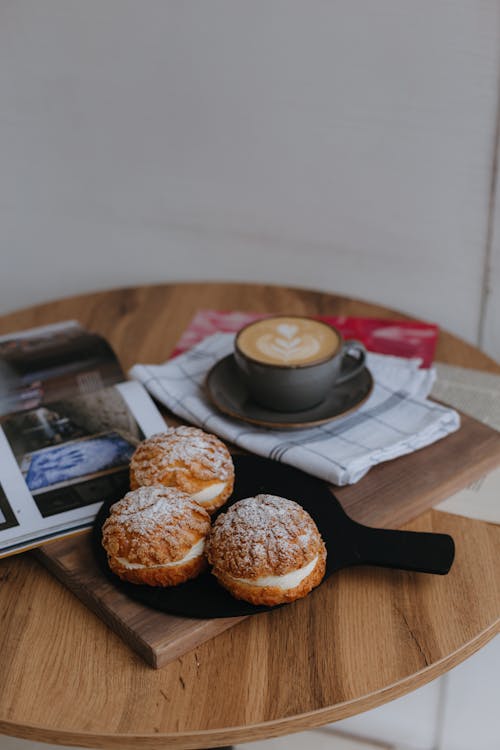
74	452
51	363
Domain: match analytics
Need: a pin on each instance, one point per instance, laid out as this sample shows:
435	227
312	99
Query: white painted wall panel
490	333
491	339
345	145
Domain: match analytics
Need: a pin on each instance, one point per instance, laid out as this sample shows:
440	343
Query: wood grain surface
158	637
367	635
397	492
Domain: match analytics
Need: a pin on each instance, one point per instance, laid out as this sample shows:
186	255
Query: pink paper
399	337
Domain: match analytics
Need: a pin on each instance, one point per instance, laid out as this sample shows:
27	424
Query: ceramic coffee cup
290	363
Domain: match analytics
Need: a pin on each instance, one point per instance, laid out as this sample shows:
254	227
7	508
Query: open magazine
69	424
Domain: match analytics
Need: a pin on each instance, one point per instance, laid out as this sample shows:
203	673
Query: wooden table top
366	637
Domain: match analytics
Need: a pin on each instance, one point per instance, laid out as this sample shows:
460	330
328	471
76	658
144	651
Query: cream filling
288	581
209	493
195	551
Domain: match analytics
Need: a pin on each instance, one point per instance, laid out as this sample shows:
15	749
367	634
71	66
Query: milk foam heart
286	330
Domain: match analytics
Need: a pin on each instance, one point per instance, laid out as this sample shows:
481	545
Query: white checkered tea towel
395	420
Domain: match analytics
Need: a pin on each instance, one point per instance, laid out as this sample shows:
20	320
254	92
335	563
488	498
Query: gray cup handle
354	348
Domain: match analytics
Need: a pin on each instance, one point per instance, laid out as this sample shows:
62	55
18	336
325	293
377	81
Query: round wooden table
366	637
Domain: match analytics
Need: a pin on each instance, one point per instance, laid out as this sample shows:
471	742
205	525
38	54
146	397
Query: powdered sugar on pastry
189	449
267	550
185	457
263	535
154	525
156	536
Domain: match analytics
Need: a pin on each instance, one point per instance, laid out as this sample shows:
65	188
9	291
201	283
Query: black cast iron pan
348	543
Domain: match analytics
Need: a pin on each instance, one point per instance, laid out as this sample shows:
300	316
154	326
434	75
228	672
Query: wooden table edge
273	728
389	312
398	314
264	730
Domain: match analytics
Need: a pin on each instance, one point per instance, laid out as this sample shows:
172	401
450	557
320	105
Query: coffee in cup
289	363
288	341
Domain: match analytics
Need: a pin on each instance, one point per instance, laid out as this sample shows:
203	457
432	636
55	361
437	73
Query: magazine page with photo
68	427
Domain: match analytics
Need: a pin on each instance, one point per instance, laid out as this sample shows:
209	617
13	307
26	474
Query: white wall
342	144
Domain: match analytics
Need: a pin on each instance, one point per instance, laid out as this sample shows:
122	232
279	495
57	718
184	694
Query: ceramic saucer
230	395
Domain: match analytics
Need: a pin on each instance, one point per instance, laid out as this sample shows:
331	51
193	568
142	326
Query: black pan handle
419	551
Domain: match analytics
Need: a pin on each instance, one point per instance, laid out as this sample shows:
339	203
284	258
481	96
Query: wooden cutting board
390	495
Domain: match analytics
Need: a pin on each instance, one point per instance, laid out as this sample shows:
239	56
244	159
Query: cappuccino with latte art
288	341
290	363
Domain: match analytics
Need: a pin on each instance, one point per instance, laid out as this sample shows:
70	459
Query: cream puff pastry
266	550
188	458
156	535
